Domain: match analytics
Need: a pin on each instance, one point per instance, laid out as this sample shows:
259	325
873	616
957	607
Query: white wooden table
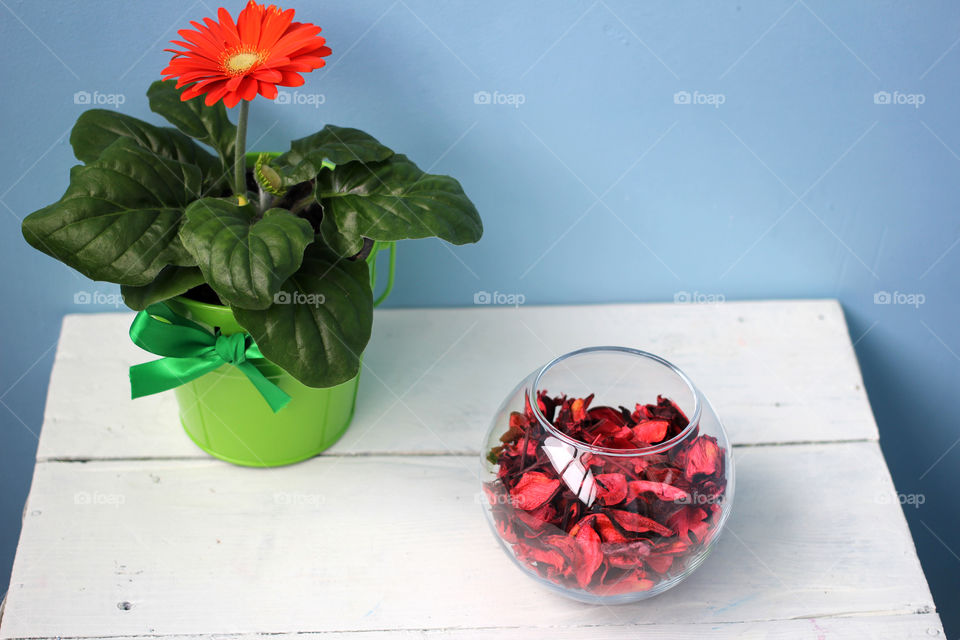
131	531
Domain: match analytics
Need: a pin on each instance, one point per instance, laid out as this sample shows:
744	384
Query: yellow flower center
238	62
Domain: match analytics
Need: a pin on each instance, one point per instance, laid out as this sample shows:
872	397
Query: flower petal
534	489
267	90
588	542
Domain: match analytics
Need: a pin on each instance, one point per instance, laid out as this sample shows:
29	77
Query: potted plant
252	273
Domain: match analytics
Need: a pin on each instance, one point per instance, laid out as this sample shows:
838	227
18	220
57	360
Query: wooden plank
398	542
893	627
776	372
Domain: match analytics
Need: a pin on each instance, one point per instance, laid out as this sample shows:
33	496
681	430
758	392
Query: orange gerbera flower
235	61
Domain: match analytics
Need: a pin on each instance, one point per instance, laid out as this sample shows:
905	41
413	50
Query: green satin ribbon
189	352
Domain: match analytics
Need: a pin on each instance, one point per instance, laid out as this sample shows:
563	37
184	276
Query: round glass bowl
607	475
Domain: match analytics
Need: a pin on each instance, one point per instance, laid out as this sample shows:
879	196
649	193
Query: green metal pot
226	416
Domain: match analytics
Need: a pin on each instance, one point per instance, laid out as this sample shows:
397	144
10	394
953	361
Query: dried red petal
533	490
672	546
702	457
513	433
537	518
668	409
518	420
603	525
612	488
641	413
713	512
662	490
505	531
579	408
659	563
517	448
665	474
608	428
651	431
626	554
640	463
588	543
689	519
624	441
567	545
635	581
607	414
548	557
638	523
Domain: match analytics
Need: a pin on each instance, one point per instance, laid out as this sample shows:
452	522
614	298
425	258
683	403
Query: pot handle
390	275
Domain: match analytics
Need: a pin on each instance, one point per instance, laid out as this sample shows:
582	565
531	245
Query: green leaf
321	322
245	259
340	145
209	125
97	129
393	200
170	282
343	244
119	217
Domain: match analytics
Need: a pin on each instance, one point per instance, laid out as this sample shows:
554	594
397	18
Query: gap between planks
853	615
400	454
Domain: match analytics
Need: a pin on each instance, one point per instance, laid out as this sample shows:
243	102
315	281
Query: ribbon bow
189	352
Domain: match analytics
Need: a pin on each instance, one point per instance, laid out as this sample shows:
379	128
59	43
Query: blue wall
594	183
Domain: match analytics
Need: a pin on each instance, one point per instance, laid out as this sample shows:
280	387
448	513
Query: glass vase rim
694	418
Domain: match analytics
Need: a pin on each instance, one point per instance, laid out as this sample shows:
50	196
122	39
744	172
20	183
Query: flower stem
240	163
